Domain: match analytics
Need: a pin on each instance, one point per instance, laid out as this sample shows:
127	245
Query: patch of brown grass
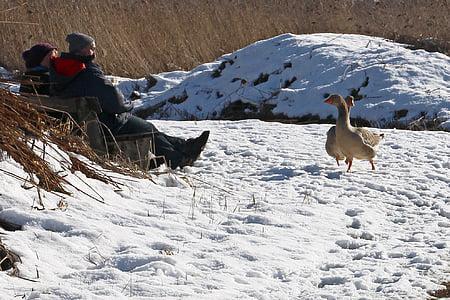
23	123
19	121
137	37
443	293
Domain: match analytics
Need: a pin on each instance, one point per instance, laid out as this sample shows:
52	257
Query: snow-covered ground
294	73
264	214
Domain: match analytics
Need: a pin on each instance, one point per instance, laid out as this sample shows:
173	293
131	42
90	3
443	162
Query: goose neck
343	116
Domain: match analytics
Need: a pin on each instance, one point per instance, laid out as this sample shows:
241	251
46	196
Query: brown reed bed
138	37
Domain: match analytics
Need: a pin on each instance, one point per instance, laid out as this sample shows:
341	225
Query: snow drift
288	76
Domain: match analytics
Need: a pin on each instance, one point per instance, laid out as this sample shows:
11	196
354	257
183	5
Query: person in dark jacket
37	61
74	74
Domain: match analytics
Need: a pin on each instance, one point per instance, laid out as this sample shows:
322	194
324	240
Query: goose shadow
278	174
315	170
312	169
334	175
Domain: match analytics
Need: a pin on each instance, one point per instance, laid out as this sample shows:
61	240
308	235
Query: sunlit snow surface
264	214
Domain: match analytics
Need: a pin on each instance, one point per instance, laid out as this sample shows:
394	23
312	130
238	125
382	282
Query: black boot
193	147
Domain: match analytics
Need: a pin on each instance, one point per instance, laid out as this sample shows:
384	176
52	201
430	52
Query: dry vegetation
443	293
29	136
137	37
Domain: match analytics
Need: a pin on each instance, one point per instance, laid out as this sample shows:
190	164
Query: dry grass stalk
8	259
78	165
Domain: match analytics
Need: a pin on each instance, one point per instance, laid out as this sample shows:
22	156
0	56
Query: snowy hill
290	75
264	214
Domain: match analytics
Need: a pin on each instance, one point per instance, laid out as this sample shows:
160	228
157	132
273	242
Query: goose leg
350	161
337	160
373	165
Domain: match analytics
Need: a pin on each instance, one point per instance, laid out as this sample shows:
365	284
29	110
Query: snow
5	74
265	213
388	76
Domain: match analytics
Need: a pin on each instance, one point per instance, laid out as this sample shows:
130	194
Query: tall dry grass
137	37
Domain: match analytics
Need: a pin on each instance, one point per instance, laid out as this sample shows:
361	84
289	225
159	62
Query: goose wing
370	138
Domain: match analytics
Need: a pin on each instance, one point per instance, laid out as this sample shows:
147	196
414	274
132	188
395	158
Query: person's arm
111	99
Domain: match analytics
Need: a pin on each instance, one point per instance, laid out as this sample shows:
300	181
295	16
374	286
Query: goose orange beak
328	100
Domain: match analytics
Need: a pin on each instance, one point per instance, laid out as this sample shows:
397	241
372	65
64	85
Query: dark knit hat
36	54
78	41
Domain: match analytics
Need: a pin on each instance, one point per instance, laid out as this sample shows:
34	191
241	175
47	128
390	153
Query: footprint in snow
356	223
282	275
214	265
329	266
255	219
364	235
240	280
332	280
334	175
135	262
350	244
371	254
255	274
248	256
164	247
440	245
353	212
312	169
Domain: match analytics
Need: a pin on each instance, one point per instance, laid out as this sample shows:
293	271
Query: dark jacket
77	76
36	81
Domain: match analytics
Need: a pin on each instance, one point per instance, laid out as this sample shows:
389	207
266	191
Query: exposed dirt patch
178	99
263	77
443	293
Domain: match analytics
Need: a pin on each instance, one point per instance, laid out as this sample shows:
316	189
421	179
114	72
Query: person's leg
135	125
163	145
190	148
177	151
175	141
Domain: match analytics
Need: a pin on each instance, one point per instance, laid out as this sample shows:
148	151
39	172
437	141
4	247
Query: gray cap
78	41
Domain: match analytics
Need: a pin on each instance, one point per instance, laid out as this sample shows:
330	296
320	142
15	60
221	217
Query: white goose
331	145
354	142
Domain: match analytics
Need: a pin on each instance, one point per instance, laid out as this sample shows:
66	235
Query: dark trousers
163	145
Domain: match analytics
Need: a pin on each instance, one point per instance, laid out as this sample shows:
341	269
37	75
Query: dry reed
23	123
137	37
18	122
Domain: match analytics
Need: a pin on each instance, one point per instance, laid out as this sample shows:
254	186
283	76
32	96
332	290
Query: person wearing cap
74	74
37	62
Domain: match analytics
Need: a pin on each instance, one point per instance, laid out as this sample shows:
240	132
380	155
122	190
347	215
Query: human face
46	60
88	50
